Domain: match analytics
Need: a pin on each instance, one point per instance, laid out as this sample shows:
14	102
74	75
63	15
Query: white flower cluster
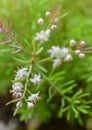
59	55
44	35
63	54
36	79
18	87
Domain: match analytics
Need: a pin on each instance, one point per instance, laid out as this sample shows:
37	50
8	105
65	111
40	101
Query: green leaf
41	68
20	60
40	50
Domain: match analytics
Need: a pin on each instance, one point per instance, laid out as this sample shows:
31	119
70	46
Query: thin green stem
15	100
26	84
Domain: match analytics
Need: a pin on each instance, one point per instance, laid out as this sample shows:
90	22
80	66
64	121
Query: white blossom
36	79
33	97
54	51
43	36
57	52
16	94
17	84
21	73
57	62
16	89
64	52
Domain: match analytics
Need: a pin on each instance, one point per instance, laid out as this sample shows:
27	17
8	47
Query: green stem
26	84
15	100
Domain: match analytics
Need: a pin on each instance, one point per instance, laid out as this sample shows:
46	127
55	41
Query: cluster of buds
20	87
60	55
80	49
44	35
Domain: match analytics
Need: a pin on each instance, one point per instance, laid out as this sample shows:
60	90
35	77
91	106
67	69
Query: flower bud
30	105
53	27
77	52
72	43
82	43
68	58
48	14
81	55
40	21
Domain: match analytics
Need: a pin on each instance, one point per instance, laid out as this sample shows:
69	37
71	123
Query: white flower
36	79
57	62
64	52
54	51
43	35
21	73
15	93
59	55
17	89
33	97
17	84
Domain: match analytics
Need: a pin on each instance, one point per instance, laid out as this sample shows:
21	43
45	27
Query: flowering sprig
21	88
44	35
26	78
60	55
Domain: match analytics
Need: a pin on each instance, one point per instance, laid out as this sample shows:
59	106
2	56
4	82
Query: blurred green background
76	25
